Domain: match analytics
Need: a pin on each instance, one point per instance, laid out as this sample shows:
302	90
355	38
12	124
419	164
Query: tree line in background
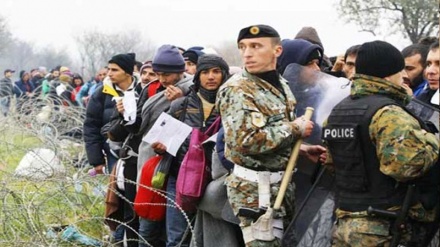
94	49
413	19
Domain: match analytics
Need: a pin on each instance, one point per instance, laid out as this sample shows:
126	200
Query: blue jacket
20	88
420	88
98	113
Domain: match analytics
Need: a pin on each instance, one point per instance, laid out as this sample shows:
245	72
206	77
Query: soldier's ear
278	50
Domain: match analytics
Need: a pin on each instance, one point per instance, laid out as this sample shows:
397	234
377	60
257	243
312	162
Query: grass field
32	211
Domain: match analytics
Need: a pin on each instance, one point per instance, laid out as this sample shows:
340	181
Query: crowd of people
376	148
60	86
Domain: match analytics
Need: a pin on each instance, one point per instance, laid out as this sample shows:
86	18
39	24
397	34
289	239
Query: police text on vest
339	133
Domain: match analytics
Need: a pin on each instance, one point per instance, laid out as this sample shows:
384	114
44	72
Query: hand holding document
129	102
168	131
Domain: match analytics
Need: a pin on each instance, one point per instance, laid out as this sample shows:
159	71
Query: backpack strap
183	112
215	126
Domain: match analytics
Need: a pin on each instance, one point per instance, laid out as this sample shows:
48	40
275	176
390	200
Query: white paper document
213	138
168	131
129	102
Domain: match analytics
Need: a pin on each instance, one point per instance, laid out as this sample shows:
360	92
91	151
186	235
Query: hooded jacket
296	51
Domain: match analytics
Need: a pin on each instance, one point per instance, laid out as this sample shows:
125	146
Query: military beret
257	31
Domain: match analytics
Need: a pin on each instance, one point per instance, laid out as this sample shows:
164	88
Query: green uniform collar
364	85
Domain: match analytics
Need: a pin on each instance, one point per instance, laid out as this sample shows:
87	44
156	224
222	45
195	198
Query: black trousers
130	217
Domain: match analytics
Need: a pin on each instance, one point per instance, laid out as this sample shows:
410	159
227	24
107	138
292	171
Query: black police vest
359	181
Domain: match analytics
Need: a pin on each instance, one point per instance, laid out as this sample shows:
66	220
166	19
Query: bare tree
229	51
5	36
20	54
415	19
51	58
96	48
89	52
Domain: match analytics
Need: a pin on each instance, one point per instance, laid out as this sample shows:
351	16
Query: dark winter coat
192	116
22	87
99	112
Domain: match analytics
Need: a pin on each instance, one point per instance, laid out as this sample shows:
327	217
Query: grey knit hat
169	60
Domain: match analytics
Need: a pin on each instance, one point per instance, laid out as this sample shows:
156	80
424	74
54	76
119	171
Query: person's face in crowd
144	78
432	68
148	75
55	73
36	74
314	65
414	69
136	68
349	66
396	79
167	79
116	74
102	74
43	72
190	67
259	55
211	79
406	79
77	82
8	74
26	77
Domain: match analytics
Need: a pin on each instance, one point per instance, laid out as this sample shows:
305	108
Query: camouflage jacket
405	151
257	119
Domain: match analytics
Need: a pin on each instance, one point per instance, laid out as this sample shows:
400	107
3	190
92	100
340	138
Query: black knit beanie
379	59
168	60
125	61
22	73
192	55
315	54
208	61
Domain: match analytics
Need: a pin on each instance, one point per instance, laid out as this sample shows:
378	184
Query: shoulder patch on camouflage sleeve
258	119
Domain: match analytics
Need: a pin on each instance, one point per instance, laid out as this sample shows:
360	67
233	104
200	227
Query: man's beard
416	81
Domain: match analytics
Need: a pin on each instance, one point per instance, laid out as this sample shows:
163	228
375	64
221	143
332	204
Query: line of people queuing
261	120
60	85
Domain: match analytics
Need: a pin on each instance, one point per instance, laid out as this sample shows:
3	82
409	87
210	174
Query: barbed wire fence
56	202
52	201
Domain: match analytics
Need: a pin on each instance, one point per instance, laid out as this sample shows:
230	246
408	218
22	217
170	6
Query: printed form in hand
168	131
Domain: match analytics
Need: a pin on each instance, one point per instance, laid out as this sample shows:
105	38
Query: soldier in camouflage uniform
378	148
257	110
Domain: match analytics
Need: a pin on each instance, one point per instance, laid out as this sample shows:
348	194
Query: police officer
378	148
257	110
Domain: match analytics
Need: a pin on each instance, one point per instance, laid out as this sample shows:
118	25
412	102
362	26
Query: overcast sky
181	22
